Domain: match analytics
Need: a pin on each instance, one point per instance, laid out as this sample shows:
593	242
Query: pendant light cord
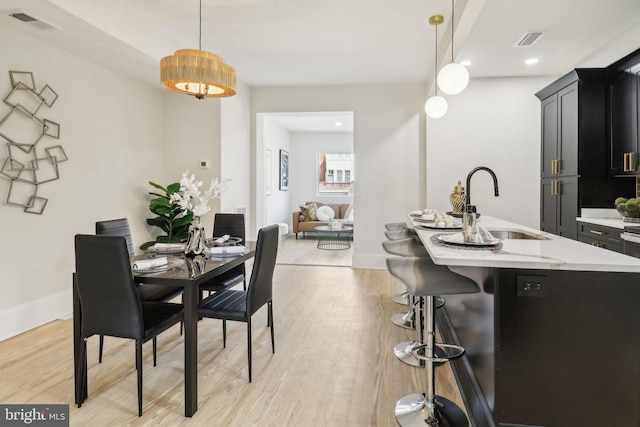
452	13
436	56
200	29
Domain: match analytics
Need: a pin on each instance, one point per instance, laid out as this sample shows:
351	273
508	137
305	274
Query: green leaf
158	186
173	188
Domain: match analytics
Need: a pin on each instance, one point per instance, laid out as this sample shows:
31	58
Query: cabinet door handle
632	165
558	167
625	163
600	233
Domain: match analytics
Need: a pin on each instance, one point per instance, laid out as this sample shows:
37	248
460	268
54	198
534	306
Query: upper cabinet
560	133
574	172
622	121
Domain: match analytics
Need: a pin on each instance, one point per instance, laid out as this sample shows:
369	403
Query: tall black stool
424	278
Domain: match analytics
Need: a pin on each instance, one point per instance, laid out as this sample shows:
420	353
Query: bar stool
426	279
398	231
412	248
399	234
395	226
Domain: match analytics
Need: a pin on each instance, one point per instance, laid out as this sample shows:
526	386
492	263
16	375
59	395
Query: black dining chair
146	292
239	305
233	225
110	304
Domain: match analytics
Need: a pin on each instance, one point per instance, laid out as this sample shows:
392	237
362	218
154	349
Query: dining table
190	272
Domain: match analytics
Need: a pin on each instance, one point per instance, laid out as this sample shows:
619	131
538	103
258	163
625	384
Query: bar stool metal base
401	298
410	412
405	320
404	350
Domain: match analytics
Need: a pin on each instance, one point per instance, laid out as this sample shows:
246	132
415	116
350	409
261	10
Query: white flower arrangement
190	198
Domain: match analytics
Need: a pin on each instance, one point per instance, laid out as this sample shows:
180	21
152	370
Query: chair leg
139	365
249	344
270	315
82	367
155	349
244	284
224	333
101	347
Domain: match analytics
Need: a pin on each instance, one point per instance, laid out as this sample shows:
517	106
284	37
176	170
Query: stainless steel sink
516	234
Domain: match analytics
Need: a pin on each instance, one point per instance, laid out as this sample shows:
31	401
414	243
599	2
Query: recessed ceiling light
338	123
466	63
531	61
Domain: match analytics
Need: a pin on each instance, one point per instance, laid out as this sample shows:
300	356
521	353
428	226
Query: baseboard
373	262
25	317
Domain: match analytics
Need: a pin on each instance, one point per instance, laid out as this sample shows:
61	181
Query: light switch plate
204	164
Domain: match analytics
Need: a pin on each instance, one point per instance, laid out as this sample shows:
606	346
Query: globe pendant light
454	77
197	72
436	106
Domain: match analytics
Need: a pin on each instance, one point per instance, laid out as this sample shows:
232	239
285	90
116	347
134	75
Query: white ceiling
336	42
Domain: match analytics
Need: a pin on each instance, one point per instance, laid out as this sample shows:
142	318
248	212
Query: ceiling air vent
31	20
528	39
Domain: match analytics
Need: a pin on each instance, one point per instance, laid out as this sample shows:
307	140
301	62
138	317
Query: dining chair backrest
260	287
116	227
107	291
229	223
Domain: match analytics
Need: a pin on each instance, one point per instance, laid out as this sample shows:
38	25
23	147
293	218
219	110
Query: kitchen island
553	339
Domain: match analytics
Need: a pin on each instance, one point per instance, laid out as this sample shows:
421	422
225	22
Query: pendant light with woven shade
197	72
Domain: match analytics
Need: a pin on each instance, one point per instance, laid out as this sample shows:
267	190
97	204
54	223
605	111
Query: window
335	174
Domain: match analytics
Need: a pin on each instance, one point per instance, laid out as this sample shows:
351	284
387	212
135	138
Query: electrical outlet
204	164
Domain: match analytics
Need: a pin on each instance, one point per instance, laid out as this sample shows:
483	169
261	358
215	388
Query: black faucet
495	183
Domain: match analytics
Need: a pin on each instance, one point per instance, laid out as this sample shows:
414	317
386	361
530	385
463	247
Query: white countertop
556	253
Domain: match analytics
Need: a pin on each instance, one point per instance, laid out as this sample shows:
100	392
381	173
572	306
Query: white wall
493	123
109	129
118	134
305	147
388	140
236	151
191	132
277	138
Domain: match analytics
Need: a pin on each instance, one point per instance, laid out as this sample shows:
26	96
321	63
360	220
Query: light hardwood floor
304	251
333	365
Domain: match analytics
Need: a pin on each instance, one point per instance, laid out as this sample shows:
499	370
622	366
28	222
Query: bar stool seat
395	226
425	279
399	231
411	247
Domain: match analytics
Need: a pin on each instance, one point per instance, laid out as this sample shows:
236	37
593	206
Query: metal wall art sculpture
30	162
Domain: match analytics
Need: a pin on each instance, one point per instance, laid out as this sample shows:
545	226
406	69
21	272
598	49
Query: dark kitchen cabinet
601	236
560	133
574	171
559	206
623	122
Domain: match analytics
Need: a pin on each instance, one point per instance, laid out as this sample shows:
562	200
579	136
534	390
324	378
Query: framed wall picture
284	170
267	171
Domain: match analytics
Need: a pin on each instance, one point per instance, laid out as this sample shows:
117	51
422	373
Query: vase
457	199
196	239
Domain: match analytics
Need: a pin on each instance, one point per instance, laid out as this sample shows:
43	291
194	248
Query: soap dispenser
469	225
